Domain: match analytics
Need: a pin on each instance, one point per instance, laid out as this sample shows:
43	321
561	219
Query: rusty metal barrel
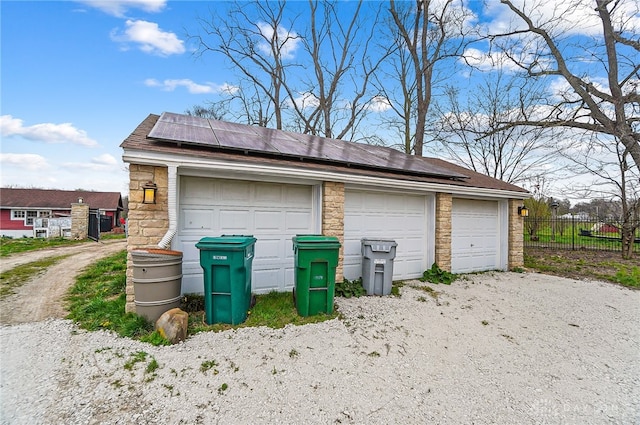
157	281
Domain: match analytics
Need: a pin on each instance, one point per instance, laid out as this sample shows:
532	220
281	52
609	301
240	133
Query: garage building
216	178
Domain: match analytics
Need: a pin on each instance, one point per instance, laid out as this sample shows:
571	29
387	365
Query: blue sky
77	77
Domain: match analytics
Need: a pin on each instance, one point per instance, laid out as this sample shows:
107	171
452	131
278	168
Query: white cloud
379	104
46	132
306	100
150	38
565	17
105	159
289	41
119	7
26	161
191	86
488	61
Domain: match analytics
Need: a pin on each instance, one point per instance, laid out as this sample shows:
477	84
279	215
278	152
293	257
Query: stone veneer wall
333	218
444	203
147	223
516	235
79	221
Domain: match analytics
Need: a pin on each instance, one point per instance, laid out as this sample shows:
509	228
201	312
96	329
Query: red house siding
7	224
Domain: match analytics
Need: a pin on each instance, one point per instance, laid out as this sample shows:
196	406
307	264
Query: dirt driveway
41	297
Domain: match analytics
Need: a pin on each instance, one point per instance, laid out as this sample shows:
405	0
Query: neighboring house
580	216
21	209
216	177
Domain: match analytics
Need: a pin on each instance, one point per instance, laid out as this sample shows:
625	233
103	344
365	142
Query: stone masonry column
79	221
444	202
333	218
516	235
147	223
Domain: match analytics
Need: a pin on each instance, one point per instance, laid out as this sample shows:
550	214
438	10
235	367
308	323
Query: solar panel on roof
245	141
170	131
184	119
225	135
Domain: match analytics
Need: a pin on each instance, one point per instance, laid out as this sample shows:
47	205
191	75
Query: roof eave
280	171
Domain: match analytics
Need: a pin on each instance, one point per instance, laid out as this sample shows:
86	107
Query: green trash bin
226	262
316	259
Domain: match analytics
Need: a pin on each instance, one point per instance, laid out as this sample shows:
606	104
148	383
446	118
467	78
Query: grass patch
97	301
11	246
274	310
628	276
18	276
395	288
112	236
583	264
429	290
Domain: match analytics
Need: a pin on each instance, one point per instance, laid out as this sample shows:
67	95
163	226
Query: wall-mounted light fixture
523	211
149	190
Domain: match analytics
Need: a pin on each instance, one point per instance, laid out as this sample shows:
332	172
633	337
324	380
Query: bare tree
469	124
539	44
401	95
606	111
259	45
430	31
335	97
614	179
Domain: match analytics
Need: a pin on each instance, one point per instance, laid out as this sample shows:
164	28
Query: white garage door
383	215
475	236
272	212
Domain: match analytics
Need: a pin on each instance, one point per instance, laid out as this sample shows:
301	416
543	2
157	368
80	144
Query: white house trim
239	169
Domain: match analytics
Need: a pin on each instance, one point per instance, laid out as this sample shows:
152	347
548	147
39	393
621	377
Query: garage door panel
297	221
381	215
268	250
197	219
272	212
262	276
267	220
297	196
197	192
475	235
235	191
267	194
238	221
413	245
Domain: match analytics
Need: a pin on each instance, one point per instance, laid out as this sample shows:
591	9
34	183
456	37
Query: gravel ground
499	348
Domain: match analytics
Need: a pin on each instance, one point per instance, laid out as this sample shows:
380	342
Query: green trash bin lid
315	241
226	242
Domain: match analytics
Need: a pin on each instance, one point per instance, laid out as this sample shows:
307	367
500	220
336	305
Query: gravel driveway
494	348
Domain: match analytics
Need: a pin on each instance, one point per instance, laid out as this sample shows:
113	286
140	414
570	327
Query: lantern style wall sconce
523	211
149	190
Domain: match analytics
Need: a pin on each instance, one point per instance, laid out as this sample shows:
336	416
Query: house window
29	215
18	214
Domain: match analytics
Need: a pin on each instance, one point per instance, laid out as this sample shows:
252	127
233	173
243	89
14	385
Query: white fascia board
206	164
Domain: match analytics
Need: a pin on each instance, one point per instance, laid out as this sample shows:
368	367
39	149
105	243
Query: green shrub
348	289
436	275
